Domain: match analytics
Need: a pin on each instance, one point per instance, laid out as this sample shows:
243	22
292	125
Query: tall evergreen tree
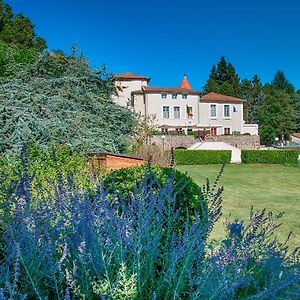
250	90
222	71
223	79
280	82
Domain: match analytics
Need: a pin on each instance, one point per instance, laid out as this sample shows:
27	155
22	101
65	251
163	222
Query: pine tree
250	91
280	82
223	79
222	71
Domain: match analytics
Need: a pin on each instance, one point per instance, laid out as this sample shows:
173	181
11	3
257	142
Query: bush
199	157
45	165
270	156
75	248
187	192
194	133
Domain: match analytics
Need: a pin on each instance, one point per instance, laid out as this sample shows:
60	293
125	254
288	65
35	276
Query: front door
213	131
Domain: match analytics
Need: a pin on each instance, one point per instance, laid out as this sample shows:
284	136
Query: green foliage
270	156
274	112
11	56
45	166
250	91
280	82
61	100
223	79
194	133
188	193
18	30
296	104
199	157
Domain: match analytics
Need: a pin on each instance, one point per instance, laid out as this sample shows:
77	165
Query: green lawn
274	187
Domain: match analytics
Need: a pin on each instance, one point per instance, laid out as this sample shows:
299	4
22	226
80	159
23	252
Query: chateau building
182	108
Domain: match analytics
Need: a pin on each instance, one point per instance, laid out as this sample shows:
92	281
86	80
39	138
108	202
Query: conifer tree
280	82
59	99
223	79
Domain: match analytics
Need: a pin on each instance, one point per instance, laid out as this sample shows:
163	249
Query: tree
250	90
223	79
280	82
296	104
18	30
275	115
59	99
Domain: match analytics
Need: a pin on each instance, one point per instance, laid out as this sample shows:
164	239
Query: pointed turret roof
185	84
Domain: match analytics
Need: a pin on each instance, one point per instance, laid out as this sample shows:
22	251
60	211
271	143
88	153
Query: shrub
75	248
270	156
199	157
187	192
191	133
45	165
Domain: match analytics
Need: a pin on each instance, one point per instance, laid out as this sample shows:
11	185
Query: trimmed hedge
201	157
270	156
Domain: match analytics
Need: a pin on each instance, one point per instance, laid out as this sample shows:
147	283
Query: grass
274	187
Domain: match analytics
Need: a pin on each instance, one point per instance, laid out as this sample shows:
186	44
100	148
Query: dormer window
184	96
163	95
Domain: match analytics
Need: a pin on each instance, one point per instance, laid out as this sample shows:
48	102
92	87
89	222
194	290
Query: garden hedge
270	156
201	157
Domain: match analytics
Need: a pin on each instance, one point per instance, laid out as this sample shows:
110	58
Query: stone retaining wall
175	141
240	141
186	141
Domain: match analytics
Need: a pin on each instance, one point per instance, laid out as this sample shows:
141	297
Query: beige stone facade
182	109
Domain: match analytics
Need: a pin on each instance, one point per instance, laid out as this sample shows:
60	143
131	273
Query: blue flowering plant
74	246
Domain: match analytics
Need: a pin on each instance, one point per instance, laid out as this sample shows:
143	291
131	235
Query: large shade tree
60	99
274	113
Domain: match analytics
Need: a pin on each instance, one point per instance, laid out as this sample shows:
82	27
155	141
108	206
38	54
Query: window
164	130
213	110
166	112
189	112
184	96
163	95
227	131
213	131
227	111
174	96
179	131
176	112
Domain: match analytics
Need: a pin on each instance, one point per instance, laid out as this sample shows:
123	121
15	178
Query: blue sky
165	39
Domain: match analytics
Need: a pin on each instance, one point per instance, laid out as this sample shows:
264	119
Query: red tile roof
159	89
296	134
129	75
219	97
185	84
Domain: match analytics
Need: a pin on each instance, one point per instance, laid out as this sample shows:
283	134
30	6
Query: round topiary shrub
187	193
